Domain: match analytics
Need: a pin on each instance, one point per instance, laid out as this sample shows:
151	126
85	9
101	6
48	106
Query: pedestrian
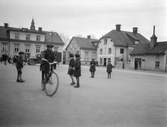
109	69
71	68
92	68
5	58
19	66
47	54
77	72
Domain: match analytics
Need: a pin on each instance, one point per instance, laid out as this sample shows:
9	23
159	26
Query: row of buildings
123	48
127	49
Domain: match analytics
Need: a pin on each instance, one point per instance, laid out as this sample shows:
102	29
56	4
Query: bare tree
65	38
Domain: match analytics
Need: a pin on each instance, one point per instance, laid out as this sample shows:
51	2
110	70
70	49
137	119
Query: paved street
129	99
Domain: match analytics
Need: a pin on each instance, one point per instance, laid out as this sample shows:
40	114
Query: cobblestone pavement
128	99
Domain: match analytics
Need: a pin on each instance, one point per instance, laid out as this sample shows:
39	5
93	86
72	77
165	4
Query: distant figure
19	66
77	72
96	63
5	58
109	69
92	68
71	68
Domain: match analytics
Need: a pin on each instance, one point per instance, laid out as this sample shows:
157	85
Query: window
27	48
38	38
105	41
16	48
157	64
94	55
37	49
121	51
16	35
101	51
109	50
4	47
86	54
27	36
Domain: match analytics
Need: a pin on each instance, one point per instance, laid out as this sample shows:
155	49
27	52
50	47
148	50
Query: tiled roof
144	49
124	38
85	43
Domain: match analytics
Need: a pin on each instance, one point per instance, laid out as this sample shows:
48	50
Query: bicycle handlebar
48	61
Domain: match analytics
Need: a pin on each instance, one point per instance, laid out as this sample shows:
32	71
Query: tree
65	38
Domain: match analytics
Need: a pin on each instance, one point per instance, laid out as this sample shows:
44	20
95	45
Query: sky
87	17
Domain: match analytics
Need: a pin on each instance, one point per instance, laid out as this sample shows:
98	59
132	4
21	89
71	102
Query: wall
149	63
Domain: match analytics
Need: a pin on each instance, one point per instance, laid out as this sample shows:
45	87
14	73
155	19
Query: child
19	66
71	68
92	68
77	72
109	69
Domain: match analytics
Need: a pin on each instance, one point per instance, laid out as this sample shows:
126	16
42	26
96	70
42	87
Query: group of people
93	68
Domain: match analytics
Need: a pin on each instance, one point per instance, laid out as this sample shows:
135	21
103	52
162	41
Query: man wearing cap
19	66
47	54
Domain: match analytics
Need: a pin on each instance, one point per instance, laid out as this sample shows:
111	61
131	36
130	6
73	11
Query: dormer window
136	42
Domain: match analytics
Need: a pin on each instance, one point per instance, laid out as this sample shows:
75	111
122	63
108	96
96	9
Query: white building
117	44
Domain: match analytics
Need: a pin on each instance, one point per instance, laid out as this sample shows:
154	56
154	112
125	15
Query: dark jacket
49	55
19	62
109	67
71	67
77	72
92	66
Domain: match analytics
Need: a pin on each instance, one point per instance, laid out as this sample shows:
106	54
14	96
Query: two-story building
116	45
86	47
150	56
30	41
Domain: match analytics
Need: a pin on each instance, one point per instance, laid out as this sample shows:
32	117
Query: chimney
153	39
118	27
88	37
6	25
135	30
39	28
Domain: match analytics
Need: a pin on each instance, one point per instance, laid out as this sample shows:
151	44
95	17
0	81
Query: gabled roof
144	49
84	43
124	38
55	38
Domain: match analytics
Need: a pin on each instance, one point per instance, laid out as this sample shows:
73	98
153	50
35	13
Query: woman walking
109	69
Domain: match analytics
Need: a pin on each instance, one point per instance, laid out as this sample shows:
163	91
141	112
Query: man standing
77	72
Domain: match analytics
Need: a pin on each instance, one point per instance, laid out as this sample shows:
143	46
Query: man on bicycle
47	54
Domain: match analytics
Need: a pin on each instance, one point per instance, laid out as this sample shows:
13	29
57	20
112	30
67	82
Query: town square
83	63
130	98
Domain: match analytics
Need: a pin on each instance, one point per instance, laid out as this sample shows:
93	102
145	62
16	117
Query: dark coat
92	66
71	67
49	55
77	72
19	62
109	68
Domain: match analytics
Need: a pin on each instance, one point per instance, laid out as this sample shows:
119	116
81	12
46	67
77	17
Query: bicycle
50	83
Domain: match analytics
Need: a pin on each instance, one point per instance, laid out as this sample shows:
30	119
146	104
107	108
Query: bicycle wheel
51	86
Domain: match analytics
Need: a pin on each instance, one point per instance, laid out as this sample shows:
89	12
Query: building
117	44
151	56
86	47
30	41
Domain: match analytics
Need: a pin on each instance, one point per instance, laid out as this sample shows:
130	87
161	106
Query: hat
49	45
77	55
21	53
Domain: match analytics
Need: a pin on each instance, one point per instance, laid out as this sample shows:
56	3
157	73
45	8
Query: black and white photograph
83	63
